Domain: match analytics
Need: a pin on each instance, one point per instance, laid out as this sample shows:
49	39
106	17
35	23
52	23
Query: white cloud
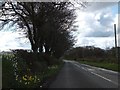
95	28
96	25
12	40
101	42
95	6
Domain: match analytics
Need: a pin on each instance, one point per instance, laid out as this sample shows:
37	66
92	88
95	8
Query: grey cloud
97	23
102	27
95	6
99	33
105	21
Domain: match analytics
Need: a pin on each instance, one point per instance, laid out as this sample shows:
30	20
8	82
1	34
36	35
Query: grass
50	74
25	78
110	66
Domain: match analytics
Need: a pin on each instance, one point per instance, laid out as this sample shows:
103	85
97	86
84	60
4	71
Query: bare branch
4	20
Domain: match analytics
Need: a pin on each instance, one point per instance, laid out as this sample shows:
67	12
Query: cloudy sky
96	24
95	28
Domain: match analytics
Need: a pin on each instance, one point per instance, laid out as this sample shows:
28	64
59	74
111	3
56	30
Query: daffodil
25	75
16	79
38	79
20	81
30	78
28	82
24	78
25	83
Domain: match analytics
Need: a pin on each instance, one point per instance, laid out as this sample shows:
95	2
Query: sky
95	28
96	25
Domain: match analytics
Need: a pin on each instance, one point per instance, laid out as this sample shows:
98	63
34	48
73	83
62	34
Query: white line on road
96	74
101	69
84	68
79	67
101	76
104	78
76	65
91	69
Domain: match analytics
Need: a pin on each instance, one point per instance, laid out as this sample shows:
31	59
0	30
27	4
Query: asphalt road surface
76	75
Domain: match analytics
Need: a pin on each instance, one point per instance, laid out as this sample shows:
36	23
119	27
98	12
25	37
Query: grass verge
110	66
50	75
18	74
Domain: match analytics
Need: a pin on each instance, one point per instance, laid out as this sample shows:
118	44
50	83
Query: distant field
110	66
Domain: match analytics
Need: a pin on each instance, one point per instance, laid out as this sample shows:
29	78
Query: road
76	75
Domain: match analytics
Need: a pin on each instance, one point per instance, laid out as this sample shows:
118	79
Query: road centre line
79	67
104	78
84	68
101	76
101	69
76	65
97	75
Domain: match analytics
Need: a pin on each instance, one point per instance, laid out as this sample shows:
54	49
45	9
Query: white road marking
95	73
108	70
90	69
101	76
104	78
76	65
101	69
81	67
84	68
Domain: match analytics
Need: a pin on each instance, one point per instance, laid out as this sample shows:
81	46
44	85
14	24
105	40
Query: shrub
27	69
8	72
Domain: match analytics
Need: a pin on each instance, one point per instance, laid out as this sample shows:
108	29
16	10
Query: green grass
25	78
110	66
17	72
49	74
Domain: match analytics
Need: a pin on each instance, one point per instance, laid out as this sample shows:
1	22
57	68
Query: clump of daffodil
24	78
16	77
31	78
27	79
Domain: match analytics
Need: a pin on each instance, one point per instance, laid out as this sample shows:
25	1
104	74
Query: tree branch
29	30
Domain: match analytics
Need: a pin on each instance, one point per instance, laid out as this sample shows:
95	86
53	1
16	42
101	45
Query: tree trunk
41	48
47	49
34	48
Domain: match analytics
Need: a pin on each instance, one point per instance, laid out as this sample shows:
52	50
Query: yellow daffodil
28	82
30	78
25	83
24	78
16	79
20	81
